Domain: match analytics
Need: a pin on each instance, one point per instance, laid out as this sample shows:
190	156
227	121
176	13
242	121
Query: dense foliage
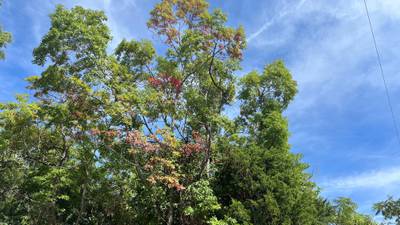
5	38
136	137
390	209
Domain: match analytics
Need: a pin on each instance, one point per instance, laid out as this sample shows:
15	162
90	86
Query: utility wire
382	73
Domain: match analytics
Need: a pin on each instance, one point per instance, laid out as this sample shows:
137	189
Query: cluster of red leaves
189	10
231	42
108	135
78	115
154	82
169	181
163	20
161	164
194	148
96	132
171	34
137	141
236	49
190	149
154	161
165	81
160	169
163	171
165	16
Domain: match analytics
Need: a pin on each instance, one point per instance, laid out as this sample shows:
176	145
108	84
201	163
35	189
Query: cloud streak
340	121
274	20
368	180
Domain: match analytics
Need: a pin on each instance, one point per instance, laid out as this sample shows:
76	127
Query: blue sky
340	120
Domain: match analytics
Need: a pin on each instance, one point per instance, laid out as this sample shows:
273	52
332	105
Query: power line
382	73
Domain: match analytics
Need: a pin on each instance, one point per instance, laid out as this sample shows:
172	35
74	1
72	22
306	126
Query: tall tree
390	209
5	38
346	213
258	170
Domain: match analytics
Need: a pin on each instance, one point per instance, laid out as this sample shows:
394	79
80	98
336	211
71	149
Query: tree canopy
5	38
138	137
390	209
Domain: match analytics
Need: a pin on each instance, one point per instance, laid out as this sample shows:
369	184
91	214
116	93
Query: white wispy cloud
376	179
269	22
341	111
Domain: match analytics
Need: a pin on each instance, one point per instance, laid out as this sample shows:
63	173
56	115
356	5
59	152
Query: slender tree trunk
83	196
171	209
82	205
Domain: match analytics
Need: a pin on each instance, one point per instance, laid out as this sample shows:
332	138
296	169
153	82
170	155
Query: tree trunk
171	209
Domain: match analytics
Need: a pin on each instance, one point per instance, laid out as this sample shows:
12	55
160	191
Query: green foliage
325	212
346	214
136	137
201	201
390	209
5	38
261	173
238	211
76	34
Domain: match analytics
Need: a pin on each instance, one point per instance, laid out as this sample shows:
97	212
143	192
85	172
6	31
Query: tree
346	214
5	38
390	209
137	137
258	170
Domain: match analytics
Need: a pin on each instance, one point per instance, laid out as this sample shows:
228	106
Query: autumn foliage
135	136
